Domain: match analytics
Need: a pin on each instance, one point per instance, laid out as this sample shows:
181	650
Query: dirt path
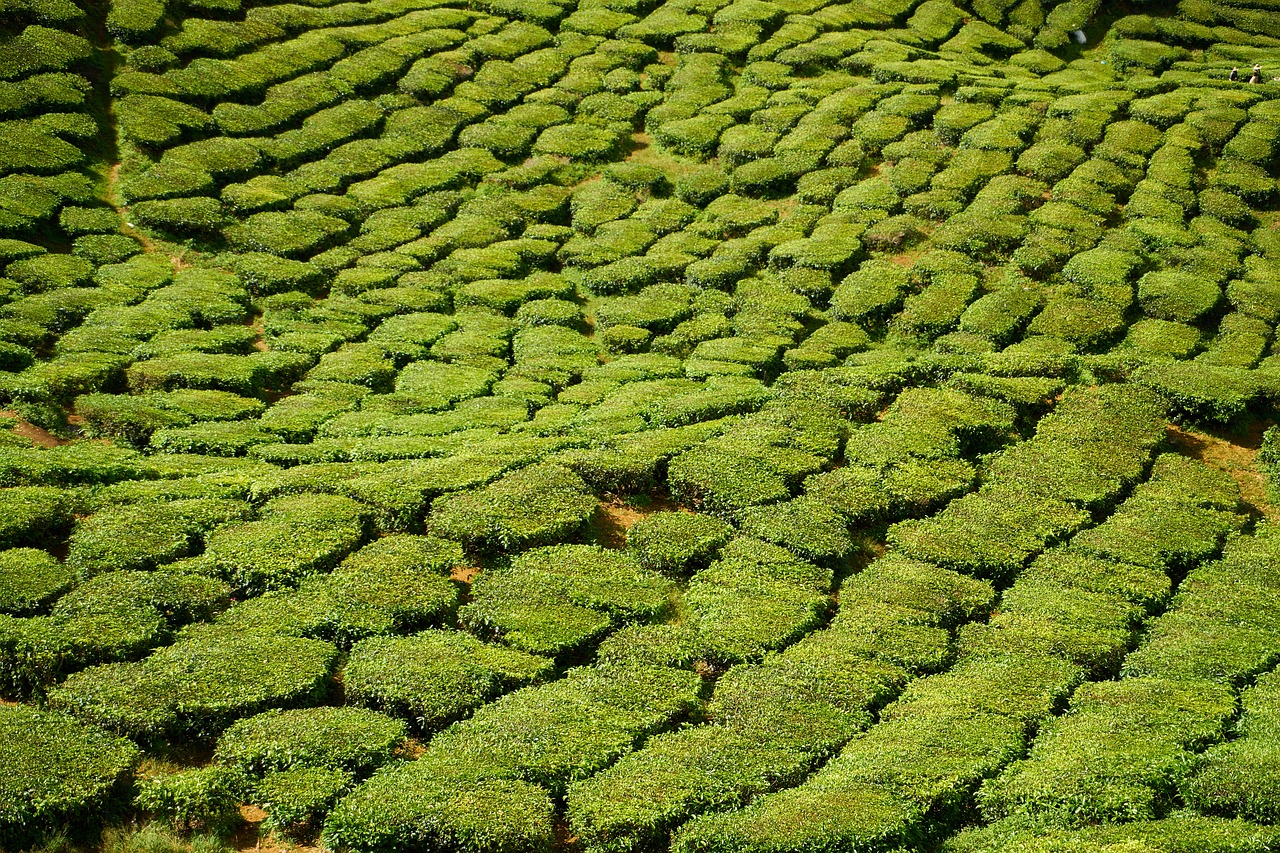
1237	455
33	433
249	839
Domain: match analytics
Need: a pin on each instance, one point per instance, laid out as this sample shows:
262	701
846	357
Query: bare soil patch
614	518
1236	454
464	574
249	837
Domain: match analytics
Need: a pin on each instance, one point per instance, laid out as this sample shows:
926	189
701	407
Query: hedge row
479	784
395	584
1233	779
931	747
1030	501
772	721
62	774
554	601
198	687
1100	762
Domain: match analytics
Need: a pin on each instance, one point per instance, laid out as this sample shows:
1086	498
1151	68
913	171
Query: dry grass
1234	453
614	518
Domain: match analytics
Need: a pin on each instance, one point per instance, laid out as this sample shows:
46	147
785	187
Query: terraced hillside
488	426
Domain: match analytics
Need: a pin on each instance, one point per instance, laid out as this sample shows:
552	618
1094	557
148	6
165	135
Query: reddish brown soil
30	431
463	574
1236	454
613	519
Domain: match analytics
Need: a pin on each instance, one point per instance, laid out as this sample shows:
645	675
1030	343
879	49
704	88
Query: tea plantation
623	426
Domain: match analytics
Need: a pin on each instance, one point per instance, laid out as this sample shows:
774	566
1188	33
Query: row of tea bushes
61	773
771	722
1075	772
843	802
487	782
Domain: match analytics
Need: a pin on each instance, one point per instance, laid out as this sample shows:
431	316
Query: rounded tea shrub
57	773
677	543
355	740
30	580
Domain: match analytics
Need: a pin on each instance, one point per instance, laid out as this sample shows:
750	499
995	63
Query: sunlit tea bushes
743	426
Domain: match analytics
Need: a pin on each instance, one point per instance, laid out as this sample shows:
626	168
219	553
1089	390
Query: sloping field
707	426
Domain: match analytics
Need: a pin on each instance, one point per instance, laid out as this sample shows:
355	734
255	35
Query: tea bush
436	677
63	774
350	739
197	687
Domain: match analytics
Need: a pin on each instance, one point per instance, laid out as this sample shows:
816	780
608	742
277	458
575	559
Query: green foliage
375	303
353	740
145	536
32	516
1202	391
434	678
1175	834
533	506
30	580
677	543
199	686
1113	757
1182	297
1233	779
296	800
553	600
586	720
204	798
249	556
62	774
758	597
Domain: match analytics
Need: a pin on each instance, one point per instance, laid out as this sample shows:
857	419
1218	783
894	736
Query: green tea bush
30	580
204	798
1202	391
435	677
721	481
756	598
810	528
1085	323
677	543
1114	755
1213	631
33	516
929	754
296	800
677	774
553	600
594	715
353	740
1175	833
391	813
117	539
534	506
62	774
1178	296
999	315
871	294
977	533
1232	779
577	142
177	598
249	557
